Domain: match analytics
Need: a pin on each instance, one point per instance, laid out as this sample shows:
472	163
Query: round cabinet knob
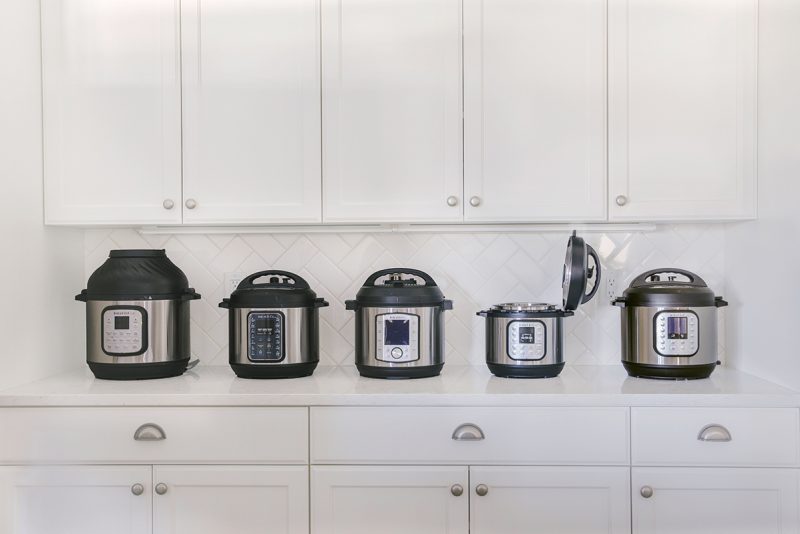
482	490
137	489
621	200
191	203
452	201
475	202
457	490
169	204
646	492
161	488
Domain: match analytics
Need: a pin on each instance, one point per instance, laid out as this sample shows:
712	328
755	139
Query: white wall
763	257
41	269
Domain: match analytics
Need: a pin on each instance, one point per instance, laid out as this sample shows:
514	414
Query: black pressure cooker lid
137	275
577	273
399	291
669	287
279	289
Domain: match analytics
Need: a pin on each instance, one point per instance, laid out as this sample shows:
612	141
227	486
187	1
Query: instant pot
137	316
399	325
525	339
669	325
273	326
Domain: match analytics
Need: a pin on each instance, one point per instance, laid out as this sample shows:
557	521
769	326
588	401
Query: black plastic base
289	370
399	372
683	372
528	371
138	371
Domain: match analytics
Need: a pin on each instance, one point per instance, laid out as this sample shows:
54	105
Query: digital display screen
264	326
527	335
396	332
122	322
677	327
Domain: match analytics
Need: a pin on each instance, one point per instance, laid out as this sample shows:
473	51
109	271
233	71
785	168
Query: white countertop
457	386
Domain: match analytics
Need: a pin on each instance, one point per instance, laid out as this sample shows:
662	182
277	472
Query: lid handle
592	273
400	270
249	282
644	279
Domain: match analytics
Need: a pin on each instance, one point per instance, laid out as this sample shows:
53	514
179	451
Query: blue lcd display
396	332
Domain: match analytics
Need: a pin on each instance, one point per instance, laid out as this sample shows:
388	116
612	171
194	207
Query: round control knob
621	200
161	488
482	490
646	492
475	202
137	489
191	203
397	353
452	201
457	490
168	204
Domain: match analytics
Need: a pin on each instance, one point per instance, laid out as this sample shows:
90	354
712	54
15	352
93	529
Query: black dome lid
669	287
398	291
137	275
282	290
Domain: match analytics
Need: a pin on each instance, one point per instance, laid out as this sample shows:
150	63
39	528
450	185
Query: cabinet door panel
240	499
391	110
698	501
389	500
251	110
682	109
111	97
75	500
535	109
543	500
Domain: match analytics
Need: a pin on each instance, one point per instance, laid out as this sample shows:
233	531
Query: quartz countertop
606	385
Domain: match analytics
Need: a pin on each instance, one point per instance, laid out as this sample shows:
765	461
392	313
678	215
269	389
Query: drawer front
765	437
193	435
533	436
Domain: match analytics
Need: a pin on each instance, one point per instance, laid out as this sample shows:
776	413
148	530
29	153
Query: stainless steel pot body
506	344
299	337
129	332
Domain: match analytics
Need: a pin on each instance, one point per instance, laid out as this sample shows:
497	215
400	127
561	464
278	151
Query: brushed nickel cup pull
161	488
468	432
475	202
452	201
191	203
714	433
149	432
137	489
646	492
482	490
621	200
457	490
168	204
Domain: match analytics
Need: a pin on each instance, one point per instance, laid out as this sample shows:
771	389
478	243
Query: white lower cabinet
701	500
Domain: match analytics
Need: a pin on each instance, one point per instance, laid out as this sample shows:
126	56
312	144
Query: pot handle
598	270
694	280
226	303
447	304
719	302
299	281
619	301
319	303
82	297
350	305
401	270
190	294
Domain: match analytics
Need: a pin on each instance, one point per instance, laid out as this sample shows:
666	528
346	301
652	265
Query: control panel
526	340
397	337
124	330
265	336
676	333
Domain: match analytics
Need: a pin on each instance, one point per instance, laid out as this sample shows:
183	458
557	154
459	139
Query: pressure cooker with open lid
669	325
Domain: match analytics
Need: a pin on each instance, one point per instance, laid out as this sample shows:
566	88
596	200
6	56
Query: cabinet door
251	111
75	500
389	500
240	499
391	105
699	500
543	500
111	97
682	109
534	110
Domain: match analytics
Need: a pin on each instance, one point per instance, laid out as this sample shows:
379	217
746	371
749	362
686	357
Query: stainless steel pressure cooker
526	340
669	325
399	325
137	316
273	326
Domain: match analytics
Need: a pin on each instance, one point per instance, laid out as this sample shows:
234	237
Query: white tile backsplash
475	270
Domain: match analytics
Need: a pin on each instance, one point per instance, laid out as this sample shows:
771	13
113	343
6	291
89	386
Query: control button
397	353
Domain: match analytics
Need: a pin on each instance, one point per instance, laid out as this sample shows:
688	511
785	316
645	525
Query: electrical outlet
612	278
232	281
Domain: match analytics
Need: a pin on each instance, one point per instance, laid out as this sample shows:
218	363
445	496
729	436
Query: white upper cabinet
111	97
391	110
534	110
251	111
682	109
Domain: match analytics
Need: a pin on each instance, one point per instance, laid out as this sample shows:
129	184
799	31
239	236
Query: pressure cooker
669	325
526	339
273	326
399	325
137	316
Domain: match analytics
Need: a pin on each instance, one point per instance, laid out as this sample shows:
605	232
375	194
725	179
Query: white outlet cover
232	281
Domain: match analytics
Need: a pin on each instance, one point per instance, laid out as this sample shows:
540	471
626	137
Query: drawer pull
137	489
646	492
468	432
457	490
149	432
161	488
482	490
714	433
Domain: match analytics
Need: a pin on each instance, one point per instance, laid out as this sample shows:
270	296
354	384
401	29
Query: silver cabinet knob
149	432
457	490
482	490
646	492
475	202
452	201
191	203
161	488
468	432
621	200
714	433
137	489
168	204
